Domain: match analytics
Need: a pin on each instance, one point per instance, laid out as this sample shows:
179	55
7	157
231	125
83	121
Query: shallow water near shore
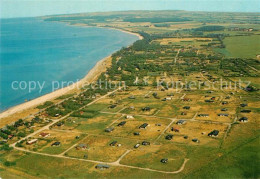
38	53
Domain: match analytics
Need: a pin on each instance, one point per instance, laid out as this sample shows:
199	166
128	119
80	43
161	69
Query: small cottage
44	135
145	143
169	137
131	97
224	102
129	117
56	144
136	133
209	101
213	133
112	106
113	143
180	122
223	115
183	113
121	124
186	107
243	105
243	119
30	142
82	146
164	160
245	111
203	115
110	129
102	166
143	126
146	109
136	146
195	140
175	129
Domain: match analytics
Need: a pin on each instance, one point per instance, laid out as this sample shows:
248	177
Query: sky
32	8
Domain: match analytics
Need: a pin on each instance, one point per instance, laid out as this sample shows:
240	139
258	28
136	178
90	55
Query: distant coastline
91	76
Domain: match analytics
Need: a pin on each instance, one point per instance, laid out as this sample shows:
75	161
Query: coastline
92	75
125	31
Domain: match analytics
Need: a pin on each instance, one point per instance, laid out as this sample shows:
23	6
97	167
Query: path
164	131
120	158
175	59
116	163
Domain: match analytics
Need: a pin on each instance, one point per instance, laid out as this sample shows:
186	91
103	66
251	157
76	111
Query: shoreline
91	75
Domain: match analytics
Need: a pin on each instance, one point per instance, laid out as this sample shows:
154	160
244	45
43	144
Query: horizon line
126	11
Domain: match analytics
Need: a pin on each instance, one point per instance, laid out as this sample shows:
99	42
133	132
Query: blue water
34	50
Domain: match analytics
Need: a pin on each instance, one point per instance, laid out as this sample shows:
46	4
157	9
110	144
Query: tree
6	147
21	134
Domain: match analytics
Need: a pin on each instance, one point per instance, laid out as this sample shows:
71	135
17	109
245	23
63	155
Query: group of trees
210	28
85	113
11	130
157	19
236	66
74	103
188	54
162	25
45	105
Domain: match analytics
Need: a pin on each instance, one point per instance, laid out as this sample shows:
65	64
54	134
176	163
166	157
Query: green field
242	46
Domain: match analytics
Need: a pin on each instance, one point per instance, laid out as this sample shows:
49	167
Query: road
140	115
116	163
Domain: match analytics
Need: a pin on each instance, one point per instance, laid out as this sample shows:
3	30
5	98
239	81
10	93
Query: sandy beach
91	76
128	32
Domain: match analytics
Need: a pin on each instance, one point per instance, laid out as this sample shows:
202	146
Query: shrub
8	163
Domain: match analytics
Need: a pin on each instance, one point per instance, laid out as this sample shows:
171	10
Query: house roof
203	115
43	134
144	125
243	105
186	107
32	141
121	123
56	143
214	132
180	121
146	108
195	140
164	160
109	129
102	166
113	143
145	143
246	110
223	114
82	145
243	119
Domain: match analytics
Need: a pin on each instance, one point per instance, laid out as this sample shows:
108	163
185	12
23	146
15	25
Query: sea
35	53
